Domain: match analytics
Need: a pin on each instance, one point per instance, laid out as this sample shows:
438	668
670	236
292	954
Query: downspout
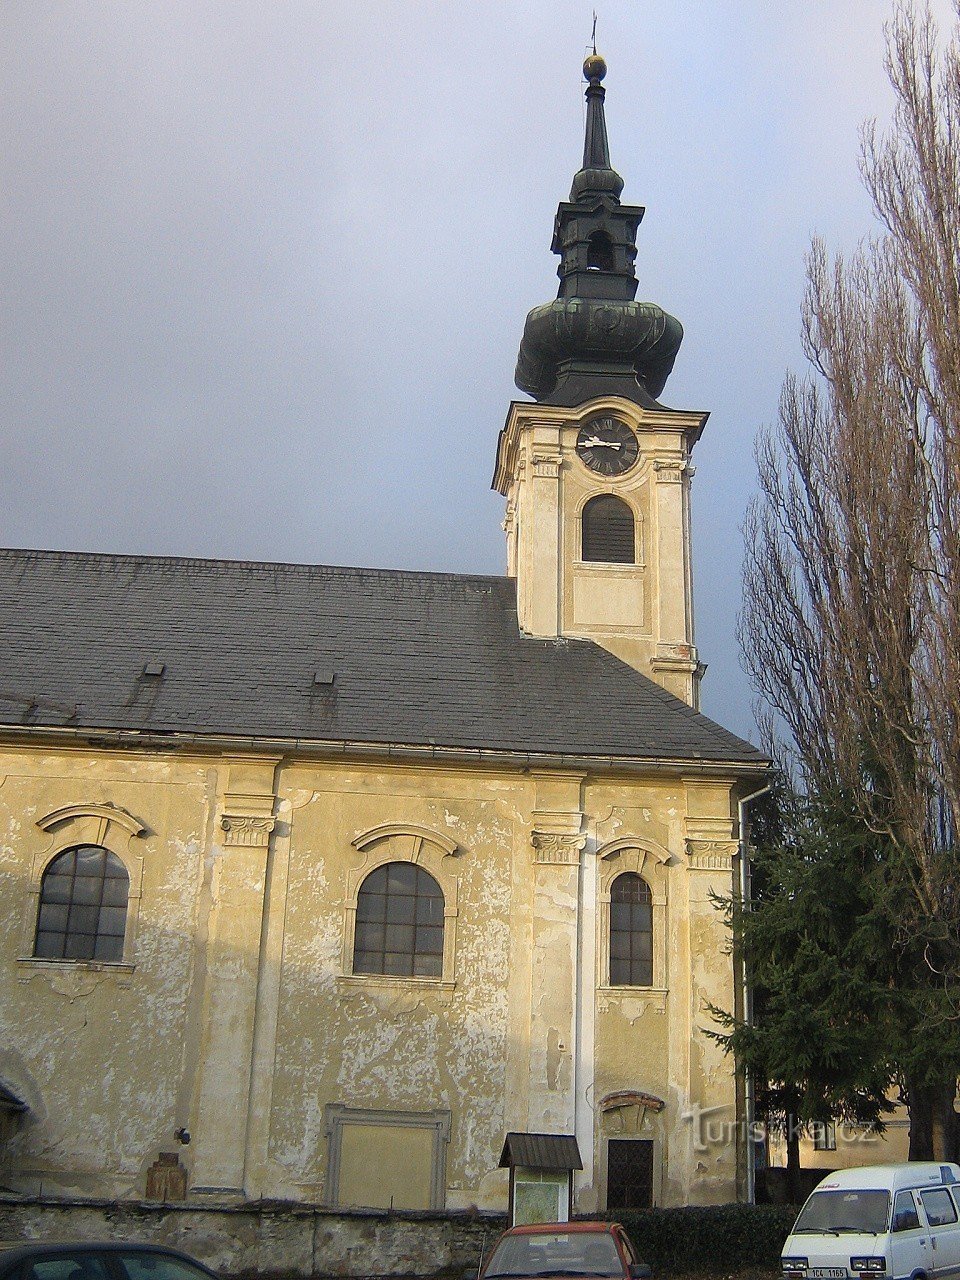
747	996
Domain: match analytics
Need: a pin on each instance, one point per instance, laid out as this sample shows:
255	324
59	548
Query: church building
361	888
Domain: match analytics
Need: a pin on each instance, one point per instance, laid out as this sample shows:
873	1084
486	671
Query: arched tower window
399	929
599	252
608	532
631	932
83	906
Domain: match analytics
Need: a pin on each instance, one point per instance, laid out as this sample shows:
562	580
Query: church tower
596	472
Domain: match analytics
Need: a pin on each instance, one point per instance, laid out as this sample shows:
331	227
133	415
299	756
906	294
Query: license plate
828	1273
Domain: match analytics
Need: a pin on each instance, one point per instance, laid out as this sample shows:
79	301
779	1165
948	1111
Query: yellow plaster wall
102	1054
239	1018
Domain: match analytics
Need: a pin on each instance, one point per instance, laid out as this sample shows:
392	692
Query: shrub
709	1238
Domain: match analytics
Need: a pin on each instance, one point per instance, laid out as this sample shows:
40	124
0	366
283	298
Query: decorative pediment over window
628	1109
412	836
104	813
637	849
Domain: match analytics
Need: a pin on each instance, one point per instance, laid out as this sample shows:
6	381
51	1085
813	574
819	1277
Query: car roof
17	1250
551	1228
891	1177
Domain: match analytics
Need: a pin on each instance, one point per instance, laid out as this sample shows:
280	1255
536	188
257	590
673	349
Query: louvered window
608	531
83	906
631	932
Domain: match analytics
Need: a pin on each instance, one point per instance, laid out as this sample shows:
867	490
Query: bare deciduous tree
851	622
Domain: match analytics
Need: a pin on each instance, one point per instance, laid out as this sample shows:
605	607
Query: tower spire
595	338
596	148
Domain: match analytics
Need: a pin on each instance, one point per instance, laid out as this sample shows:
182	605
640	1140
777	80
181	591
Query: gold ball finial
594	67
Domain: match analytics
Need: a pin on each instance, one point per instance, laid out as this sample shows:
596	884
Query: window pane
112	921
114	869
429	941
399	937
79	946
157	1266
56	887
430	910
109	948
83	919
403	910
398	965
642	946
641	915
371	906
368	962
939	1207
86	889
427	966
620	972
90	860
620	944
376	881
75	1266
369	936
53	919
629	1173
115	892
401	877
620	915
49	946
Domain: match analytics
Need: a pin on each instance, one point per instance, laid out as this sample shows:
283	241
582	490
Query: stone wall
268	1239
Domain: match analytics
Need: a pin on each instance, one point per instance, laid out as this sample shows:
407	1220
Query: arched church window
399	929
599	252
631	932
608	531
83	906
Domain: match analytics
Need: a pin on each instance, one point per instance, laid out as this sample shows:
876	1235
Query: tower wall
642	612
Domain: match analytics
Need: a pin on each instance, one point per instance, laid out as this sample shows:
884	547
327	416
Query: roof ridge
186	562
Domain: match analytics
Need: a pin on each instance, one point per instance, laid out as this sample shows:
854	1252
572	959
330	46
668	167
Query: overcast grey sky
265	263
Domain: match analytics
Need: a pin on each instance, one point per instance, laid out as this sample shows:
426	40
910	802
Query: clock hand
594	443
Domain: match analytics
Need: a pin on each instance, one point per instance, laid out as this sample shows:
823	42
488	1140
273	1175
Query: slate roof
249	649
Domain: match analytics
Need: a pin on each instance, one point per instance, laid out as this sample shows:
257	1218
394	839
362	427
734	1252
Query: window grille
399	927
631	932
629	1173
83	906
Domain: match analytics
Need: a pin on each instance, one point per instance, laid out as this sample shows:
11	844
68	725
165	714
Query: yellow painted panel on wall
609	597
385	1166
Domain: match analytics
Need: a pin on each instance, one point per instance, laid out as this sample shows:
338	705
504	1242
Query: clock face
607	446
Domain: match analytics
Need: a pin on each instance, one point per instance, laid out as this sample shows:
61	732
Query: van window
905	1216
839	1211
939	1207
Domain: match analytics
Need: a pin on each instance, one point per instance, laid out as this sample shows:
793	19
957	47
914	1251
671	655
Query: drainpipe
748	1096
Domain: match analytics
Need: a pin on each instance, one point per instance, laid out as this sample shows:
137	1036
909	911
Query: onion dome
595	339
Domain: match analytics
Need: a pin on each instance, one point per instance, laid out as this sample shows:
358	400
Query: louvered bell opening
608	534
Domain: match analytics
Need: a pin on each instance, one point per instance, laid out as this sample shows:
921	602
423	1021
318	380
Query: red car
577	1249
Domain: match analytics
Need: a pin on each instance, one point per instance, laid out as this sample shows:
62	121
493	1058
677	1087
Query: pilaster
539	548
232	962
711	848
556	844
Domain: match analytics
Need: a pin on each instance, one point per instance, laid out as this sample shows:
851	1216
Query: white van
895	1220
